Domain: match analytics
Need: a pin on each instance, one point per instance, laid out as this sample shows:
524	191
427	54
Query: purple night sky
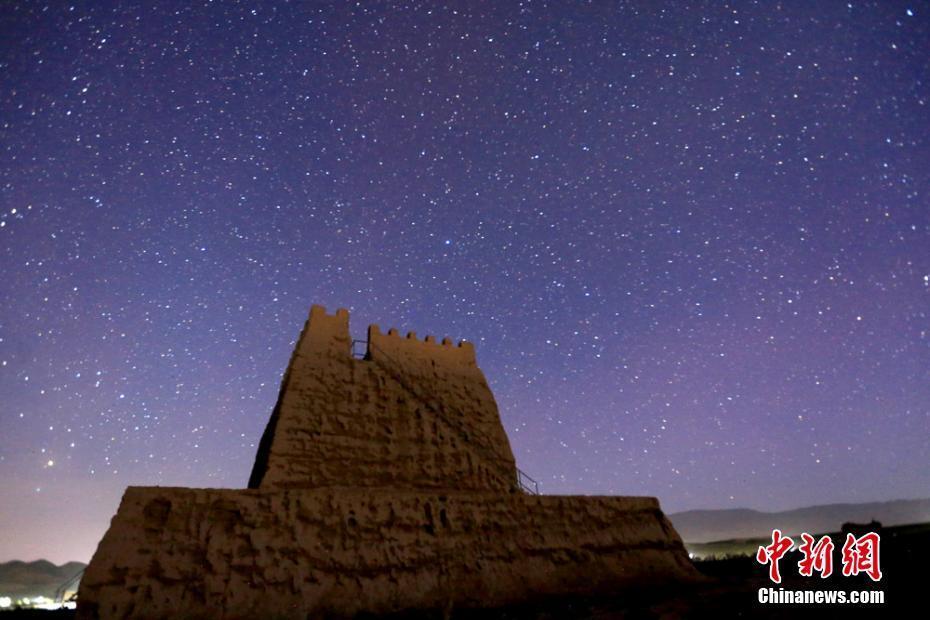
690	243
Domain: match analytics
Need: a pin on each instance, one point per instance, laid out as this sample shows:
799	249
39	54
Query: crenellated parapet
328	334
325	334
392	348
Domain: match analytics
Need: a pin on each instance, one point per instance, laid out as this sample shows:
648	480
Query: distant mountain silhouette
39	578
698	526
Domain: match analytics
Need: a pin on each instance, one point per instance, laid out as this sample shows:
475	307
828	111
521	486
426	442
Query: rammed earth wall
381	484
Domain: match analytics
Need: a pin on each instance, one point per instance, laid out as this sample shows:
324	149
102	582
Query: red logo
860	555
773	553
817	557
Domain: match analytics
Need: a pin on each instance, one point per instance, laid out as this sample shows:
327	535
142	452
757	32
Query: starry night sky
690	243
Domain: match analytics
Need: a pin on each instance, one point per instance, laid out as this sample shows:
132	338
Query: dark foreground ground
731	591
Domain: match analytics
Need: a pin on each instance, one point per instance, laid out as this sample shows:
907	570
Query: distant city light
36	602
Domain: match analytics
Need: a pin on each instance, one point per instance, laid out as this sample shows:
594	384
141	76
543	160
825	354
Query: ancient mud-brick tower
381	484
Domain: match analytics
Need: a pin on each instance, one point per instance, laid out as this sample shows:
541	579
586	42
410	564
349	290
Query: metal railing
359	349
527	484
66	587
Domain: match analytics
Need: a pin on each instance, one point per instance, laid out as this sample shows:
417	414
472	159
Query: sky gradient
691	242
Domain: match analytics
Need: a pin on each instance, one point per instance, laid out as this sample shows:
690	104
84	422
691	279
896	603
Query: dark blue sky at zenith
691	241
